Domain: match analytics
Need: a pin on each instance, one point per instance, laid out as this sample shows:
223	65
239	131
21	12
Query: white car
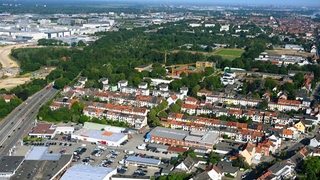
122	162
142	146
129	152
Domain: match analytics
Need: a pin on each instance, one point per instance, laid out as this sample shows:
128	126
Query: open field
225	53
230	52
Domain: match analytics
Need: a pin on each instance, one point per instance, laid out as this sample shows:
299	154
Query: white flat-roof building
84	172
100	136
64	130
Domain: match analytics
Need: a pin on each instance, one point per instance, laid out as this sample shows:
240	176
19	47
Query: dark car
121	170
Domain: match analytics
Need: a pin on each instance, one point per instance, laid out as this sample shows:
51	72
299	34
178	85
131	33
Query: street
15	125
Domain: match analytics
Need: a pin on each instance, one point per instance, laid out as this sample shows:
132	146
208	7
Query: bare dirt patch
12	82
288	52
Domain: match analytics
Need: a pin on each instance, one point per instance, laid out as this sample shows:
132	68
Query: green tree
81	43
214	158
311	166
269	83
241	163
263	105
153	120
60	83
174	108
195	90
298	79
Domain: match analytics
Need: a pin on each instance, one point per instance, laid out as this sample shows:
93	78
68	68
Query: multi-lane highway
15	125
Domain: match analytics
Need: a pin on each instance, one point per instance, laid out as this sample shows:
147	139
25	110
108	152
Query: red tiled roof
242	125
287	132
265	175
43	128
189	106
7	96
177	149
174	97
289	102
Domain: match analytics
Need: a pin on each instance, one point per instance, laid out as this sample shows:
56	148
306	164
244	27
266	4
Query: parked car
142	146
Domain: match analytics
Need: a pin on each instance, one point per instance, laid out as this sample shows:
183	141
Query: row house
239	131
289	133
137	91
206	109
164	94
282	107
238	113
243	101
114	97
262	116
128	99
283	119
93	112
121	109
136	121
209	109
189	108
203	92
249	135
256	116
285	105
147	101
57	105
215	122
186	126
265	147
191	101
65	102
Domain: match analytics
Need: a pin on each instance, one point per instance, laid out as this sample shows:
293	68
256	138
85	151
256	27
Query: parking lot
101	155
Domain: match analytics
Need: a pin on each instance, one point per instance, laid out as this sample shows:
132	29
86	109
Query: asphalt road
16	124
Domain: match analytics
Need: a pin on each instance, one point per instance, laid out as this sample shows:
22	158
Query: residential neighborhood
159	90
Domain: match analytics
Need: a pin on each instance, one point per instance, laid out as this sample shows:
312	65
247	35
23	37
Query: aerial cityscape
161	90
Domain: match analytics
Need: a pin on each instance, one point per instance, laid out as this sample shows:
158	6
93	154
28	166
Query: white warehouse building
99	136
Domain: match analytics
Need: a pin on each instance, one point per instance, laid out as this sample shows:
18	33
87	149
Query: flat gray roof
8	164
44	170
85	172
169	133
277	167
41	153
138	159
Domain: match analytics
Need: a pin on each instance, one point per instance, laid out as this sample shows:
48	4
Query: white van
142	146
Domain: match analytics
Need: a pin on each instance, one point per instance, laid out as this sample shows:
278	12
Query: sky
261	2
300	3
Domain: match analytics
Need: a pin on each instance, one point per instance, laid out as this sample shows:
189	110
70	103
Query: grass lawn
230	52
